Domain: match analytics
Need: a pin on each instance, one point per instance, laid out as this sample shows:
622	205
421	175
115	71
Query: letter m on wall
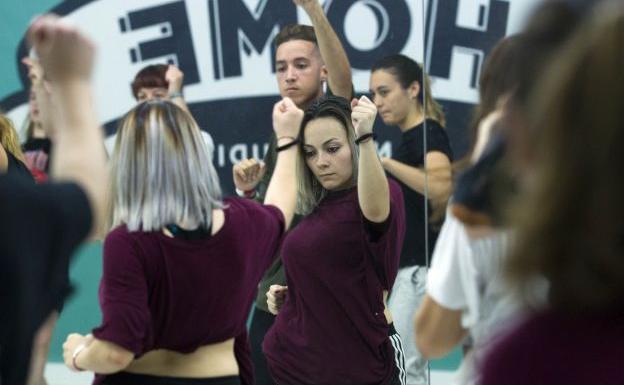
235	29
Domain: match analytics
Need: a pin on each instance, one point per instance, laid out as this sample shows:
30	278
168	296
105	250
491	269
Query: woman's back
159	292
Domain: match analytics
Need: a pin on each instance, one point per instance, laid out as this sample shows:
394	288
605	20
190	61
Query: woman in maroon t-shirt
333	326
181	265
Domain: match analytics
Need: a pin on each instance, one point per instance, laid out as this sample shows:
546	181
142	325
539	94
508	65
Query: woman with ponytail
402	94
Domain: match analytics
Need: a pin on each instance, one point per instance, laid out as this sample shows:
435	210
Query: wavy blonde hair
9	138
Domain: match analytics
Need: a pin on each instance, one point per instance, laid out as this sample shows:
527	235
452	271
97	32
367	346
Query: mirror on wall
459	35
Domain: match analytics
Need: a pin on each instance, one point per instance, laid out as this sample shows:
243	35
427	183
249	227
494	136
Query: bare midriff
208	361
387	312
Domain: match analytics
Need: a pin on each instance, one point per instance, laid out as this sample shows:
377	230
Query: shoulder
121	237
433	125
248	208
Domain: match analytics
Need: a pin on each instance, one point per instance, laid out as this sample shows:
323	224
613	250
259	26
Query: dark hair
572	225
295	32
328	106
152	76
407	71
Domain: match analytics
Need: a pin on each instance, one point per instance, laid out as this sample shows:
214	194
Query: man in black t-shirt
43	224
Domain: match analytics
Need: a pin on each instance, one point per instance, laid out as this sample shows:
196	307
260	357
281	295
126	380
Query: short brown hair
152	76
295	32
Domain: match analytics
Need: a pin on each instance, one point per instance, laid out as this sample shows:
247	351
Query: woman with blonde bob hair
176	246
159	158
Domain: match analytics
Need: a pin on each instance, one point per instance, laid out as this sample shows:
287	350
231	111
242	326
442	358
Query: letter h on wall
443	34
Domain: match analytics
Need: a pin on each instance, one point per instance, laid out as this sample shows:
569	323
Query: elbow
442	191
428	347
377	214
118	360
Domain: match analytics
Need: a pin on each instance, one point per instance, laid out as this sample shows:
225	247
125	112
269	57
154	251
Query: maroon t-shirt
555	348
332	328
159	292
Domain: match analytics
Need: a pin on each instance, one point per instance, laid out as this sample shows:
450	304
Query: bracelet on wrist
75	354
249	194
177	94
287	145
366	138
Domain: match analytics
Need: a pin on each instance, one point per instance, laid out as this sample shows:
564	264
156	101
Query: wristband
365	138
287	145
77	351
249	194
177	94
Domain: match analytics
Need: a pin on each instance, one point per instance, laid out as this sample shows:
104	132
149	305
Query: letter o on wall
393	25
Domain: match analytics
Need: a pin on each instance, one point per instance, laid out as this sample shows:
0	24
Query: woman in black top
402	95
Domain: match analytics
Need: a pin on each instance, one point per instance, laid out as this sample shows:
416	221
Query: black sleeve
42	225
437	139
375	230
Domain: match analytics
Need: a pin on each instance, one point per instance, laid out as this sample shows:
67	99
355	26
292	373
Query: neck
38	132
414	117
304	106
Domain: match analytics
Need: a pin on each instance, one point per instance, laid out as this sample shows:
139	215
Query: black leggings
399	376
123	378
260	324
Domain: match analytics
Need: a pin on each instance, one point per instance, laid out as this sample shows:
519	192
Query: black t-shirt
37	152
17	168
412	153
41	227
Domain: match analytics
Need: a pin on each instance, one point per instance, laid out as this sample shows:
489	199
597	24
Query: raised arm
67	60
373	190
332	51
175	79
282	190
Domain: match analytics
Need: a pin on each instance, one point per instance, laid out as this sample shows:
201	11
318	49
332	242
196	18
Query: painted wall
223	46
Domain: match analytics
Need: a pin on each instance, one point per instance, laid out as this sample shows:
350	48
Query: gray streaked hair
161	170
310	191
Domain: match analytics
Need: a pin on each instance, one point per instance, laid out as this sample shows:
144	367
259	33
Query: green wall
15	15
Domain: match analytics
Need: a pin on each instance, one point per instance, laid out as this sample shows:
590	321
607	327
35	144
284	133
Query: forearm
373	190
282	190
437	329
332	52
103	357
79	148
180	102
438	184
